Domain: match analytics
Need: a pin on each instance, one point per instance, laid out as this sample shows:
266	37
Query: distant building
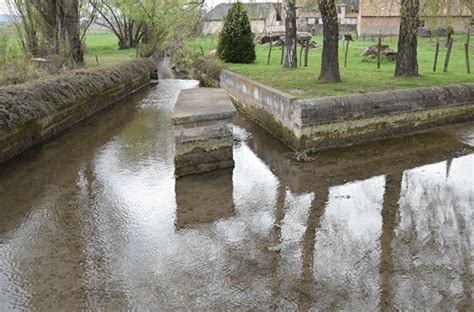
310	20
367	17
263	17
384	15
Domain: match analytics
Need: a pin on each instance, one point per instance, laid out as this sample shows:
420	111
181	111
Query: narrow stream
94	219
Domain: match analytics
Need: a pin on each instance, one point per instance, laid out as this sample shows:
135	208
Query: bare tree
73	30
330	56
23	17
290	35
115	17
407	62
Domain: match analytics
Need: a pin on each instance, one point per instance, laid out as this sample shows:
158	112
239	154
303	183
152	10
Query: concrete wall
19	139
268	107
345	120
326	122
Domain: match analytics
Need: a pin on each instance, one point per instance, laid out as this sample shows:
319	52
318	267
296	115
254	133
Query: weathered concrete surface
268	107
326	122
35	131
203	131
345	120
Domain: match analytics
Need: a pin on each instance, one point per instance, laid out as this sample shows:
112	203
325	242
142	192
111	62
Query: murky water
95	220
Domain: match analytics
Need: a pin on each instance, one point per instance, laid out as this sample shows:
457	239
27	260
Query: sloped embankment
33	112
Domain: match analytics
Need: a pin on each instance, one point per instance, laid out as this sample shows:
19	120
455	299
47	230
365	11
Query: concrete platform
203	131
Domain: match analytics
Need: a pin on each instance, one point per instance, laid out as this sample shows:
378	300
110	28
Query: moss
20	104
207	71
267	121
204	146
349	132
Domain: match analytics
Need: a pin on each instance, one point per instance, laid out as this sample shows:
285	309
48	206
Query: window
311	20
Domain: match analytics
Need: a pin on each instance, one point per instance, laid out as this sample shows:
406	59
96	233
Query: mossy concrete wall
321	123
203	131
37	127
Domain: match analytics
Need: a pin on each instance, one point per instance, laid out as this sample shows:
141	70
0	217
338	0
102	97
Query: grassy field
104	45
361	74
101	49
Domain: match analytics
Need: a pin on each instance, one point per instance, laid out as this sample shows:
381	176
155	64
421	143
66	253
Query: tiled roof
255	11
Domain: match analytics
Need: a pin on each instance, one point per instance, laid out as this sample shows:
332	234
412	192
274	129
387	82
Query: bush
236	39
208	67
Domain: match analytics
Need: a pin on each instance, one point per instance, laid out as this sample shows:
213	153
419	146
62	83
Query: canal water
95	220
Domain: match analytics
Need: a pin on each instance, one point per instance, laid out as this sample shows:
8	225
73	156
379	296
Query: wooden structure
303	38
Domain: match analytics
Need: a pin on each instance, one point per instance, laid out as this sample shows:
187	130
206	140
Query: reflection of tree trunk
407	64
389	217
330	56
306	281
279	215
290	35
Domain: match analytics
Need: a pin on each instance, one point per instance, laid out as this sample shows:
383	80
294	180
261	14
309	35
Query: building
367	17
264	17
377	16
309	17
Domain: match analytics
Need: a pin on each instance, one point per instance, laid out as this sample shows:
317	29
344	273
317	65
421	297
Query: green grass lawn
361	74
104	45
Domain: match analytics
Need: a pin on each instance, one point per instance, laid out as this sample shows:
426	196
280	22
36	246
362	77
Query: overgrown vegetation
208	67
51	36
22	103
361	74
236	39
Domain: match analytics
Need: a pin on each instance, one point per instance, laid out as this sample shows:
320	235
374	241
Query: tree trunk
330	56
290	35
407	63
73	31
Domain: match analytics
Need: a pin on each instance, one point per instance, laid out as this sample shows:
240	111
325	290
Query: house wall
214	27
391	25
376	15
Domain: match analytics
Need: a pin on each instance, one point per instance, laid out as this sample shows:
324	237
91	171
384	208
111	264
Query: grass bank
361	74
22	103
101	50
104	45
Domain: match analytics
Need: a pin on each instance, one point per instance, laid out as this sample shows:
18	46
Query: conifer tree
236	39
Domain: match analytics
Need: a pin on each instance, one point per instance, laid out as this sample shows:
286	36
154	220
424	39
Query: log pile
385	51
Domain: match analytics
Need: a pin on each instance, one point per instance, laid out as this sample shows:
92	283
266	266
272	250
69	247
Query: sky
209	3
2	7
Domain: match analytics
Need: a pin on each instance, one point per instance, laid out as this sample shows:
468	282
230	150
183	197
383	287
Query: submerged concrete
327	122
203	131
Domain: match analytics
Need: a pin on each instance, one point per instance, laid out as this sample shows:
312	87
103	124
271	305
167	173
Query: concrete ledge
326	122
268	107
203	131
54	119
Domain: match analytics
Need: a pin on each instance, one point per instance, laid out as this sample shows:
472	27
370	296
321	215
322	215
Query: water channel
95	219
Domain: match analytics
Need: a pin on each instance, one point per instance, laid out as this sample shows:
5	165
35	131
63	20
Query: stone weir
203	131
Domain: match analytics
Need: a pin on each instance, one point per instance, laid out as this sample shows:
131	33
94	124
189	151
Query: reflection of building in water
432	251
212	203
347	247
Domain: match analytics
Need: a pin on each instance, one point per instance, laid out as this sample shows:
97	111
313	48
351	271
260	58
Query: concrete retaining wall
55	118
268	107
320	123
